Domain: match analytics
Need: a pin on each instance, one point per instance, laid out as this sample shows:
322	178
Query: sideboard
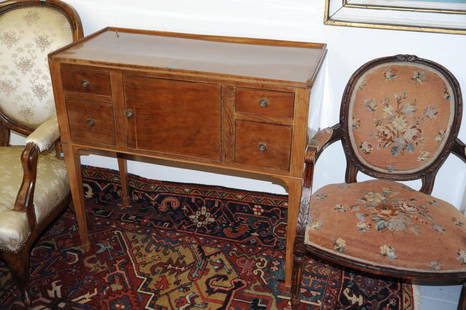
238	105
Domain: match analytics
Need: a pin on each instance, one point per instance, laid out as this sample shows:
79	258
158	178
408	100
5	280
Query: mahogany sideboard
236	104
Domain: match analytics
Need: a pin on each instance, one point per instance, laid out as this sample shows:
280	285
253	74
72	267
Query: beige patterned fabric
45	135
27	35
51	188
400	117
388	224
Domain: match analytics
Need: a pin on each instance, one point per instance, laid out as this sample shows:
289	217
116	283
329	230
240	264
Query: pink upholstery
400	116
388	224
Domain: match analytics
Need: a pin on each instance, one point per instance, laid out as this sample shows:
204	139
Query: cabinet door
173	117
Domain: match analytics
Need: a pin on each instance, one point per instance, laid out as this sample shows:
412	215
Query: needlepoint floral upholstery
400	117
27	36
51	188
388	224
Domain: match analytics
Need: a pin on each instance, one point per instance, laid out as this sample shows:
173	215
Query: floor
439	297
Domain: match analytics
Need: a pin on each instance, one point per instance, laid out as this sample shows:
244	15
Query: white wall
297	20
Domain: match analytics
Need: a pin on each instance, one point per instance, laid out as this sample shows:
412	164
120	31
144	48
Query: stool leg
123	169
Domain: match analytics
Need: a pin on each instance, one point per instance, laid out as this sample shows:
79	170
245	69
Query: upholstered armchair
33	181
399	120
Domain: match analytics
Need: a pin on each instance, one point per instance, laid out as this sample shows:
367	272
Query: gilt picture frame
441	16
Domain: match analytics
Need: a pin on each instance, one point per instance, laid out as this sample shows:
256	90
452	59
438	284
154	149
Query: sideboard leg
73	165
294	188
123	169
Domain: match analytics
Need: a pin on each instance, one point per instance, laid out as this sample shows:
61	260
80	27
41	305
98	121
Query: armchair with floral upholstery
33	181
399	120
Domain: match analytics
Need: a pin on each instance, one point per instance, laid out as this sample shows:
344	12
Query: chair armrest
321	140
25	198
459	149
45	135
316	145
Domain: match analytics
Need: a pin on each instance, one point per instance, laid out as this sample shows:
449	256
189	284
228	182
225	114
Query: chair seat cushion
388	224
51	188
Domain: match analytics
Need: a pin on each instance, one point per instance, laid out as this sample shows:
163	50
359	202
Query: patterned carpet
182	246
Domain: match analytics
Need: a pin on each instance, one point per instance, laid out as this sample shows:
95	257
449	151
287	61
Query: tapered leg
294	187
462	301
123	169
73	165
297	276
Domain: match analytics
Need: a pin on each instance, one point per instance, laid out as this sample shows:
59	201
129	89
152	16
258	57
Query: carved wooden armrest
459	149
45	135
41	139
321	140
25	198
316	145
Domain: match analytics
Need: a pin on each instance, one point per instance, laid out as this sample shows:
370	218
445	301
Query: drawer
85	80
91	123
263	145
265	102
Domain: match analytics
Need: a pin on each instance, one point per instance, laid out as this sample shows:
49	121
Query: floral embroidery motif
419	76
446	94
458	222
440	136
430	112
355	124
370	104
9	38
320	196
340	208
339	245
435	265
403	111
386	212
461	256
31	18
389	75
43	42
396	130
27	35
315	225
366	147
388	251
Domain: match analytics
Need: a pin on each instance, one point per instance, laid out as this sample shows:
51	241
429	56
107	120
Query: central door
173	117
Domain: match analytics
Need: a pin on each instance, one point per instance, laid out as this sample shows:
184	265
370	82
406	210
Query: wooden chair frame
18	261
427	175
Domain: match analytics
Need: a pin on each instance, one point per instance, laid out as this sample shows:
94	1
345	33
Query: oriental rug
182	246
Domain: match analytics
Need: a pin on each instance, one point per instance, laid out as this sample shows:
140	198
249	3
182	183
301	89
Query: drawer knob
262	147
90	122
85	83
264	102
129	113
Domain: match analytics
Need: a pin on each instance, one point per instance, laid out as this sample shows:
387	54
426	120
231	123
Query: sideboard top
296	62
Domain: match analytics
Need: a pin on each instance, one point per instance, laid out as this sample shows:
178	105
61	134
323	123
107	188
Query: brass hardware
264	102
262	147
90	122
129	113
85	83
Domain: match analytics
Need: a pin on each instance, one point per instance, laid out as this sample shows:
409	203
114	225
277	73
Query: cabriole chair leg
18	263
